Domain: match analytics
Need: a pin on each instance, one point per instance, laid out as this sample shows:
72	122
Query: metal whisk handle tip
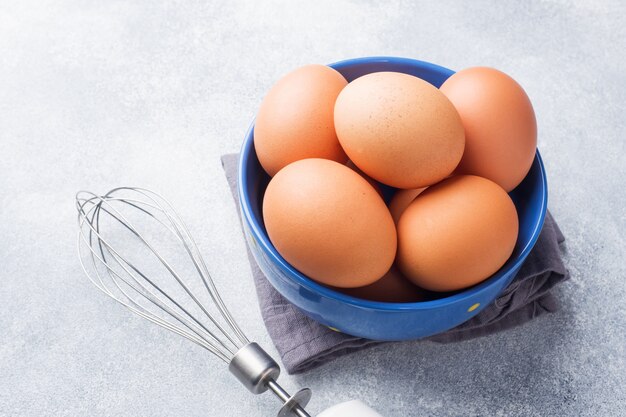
253	367
257	371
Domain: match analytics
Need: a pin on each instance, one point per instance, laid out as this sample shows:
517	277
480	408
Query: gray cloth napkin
304	344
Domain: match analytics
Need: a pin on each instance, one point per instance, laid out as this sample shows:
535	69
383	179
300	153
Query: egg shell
399	129
456	233
401	200
329	223
295	119
500	125
393	287
370	180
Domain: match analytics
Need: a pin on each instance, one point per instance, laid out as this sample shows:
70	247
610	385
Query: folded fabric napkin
304	344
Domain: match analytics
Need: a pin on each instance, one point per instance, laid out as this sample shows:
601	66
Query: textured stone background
95	94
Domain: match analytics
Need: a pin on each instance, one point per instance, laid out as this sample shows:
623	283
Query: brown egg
329	223
399	129
393	287
371	181
499	122
456	233
295	120
401	200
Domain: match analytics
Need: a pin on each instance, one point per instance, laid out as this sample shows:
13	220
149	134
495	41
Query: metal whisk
177	292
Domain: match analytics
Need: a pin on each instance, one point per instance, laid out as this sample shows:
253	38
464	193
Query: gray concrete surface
94	94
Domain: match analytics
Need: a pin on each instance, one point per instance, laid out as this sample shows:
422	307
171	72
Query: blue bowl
378	320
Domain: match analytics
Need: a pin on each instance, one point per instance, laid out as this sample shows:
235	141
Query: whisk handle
354	408
253	367
257	371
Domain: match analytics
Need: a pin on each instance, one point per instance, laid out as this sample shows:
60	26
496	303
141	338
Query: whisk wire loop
115	273
125	276
143	291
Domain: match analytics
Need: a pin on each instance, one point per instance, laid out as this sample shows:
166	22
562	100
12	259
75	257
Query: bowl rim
337	65
301	279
